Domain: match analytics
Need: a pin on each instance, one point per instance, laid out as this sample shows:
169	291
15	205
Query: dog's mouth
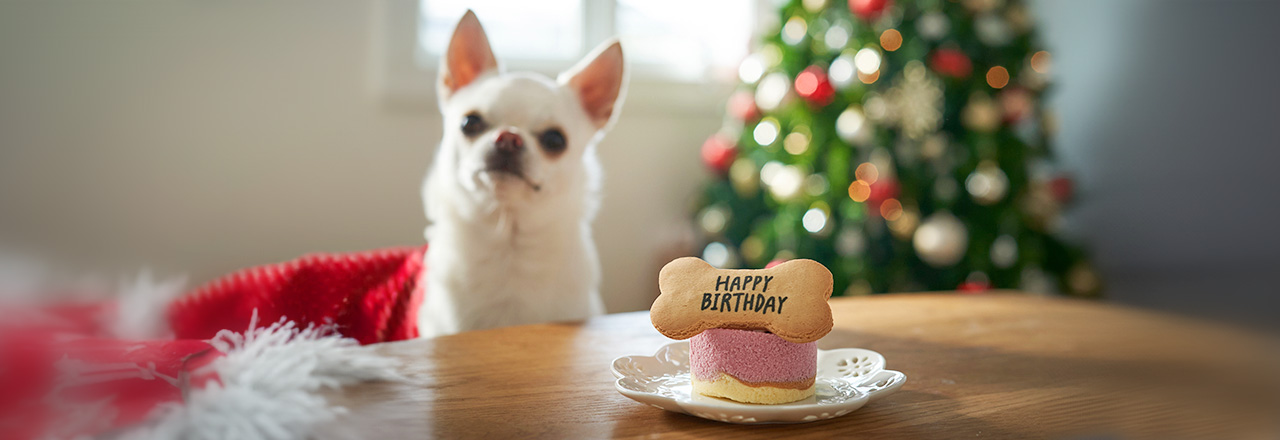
514	173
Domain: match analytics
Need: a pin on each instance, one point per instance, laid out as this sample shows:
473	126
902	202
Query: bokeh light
867	172
859	191
766	132
891	209
1041	61
997	77
891	40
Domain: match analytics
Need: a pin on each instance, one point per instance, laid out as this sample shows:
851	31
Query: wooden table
985	366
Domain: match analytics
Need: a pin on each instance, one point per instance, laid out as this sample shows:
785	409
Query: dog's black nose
509	143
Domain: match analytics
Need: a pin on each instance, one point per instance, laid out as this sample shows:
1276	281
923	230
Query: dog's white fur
502	251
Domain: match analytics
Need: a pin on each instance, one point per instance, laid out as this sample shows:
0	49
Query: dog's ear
599	81
467	57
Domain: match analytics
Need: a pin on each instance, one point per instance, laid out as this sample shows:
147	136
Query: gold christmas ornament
981	113
744	176
753	249
814	5
1041	207
905	226
1083	280
941	240
858	288
714	219
795	30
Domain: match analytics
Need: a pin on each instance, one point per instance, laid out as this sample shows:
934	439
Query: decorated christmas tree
903	144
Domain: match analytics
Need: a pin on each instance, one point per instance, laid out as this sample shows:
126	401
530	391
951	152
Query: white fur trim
140	311
271	380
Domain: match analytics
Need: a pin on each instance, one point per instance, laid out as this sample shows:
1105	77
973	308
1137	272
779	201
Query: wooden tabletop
998	365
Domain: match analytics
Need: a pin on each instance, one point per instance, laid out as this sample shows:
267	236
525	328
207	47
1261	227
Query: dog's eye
473	125
552	141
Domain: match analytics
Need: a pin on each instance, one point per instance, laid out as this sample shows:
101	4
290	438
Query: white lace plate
847	379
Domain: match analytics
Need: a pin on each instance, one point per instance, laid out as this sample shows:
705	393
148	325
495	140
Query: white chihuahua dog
513	189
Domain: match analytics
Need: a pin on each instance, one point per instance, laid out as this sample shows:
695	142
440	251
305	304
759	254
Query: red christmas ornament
1062	188
972	287
812	85
718	153
742	106
1016	102
951	62
883	189
869	9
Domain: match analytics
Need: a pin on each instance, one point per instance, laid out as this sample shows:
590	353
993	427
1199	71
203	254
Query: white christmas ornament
841	71
772	90
993	30
794	31
933	26
850	125
765	132
717	254
988	184
850	242
867	61
836	37
786	182
941	240
1004	251
814	220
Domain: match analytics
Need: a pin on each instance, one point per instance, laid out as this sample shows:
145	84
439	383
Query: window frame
400	81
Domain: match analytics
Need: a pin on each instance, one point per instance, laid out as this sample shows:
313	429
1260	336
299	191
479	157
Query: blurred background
203	137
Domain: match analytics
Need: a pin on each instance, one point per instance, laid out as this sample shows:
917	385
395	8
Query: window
670	40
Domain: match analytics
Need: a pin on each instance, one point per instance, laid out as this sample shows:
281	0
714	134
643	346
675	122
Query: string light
716	254
766	132
891	209
849	124
1040	62
997	77
772	90
795	29
814	220
796	143
868	78
891	40
867	61
859	191
867	172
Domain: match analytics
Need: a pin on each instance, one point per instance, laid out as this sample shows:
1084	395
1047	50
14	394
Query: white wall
208	136
201	137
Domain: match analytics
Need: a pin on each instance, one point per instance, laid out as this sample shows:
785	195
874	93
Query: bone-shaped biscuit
789	299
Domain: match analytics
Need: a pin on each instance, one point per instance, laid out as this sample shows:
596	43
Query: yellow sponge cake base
731	388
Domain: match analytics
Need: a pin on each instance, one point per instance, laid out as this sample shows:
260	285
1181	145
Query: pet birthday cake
752	332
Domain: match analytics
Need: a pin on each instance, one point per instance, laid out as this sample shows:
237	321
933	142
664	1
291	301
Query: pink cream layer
751	356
